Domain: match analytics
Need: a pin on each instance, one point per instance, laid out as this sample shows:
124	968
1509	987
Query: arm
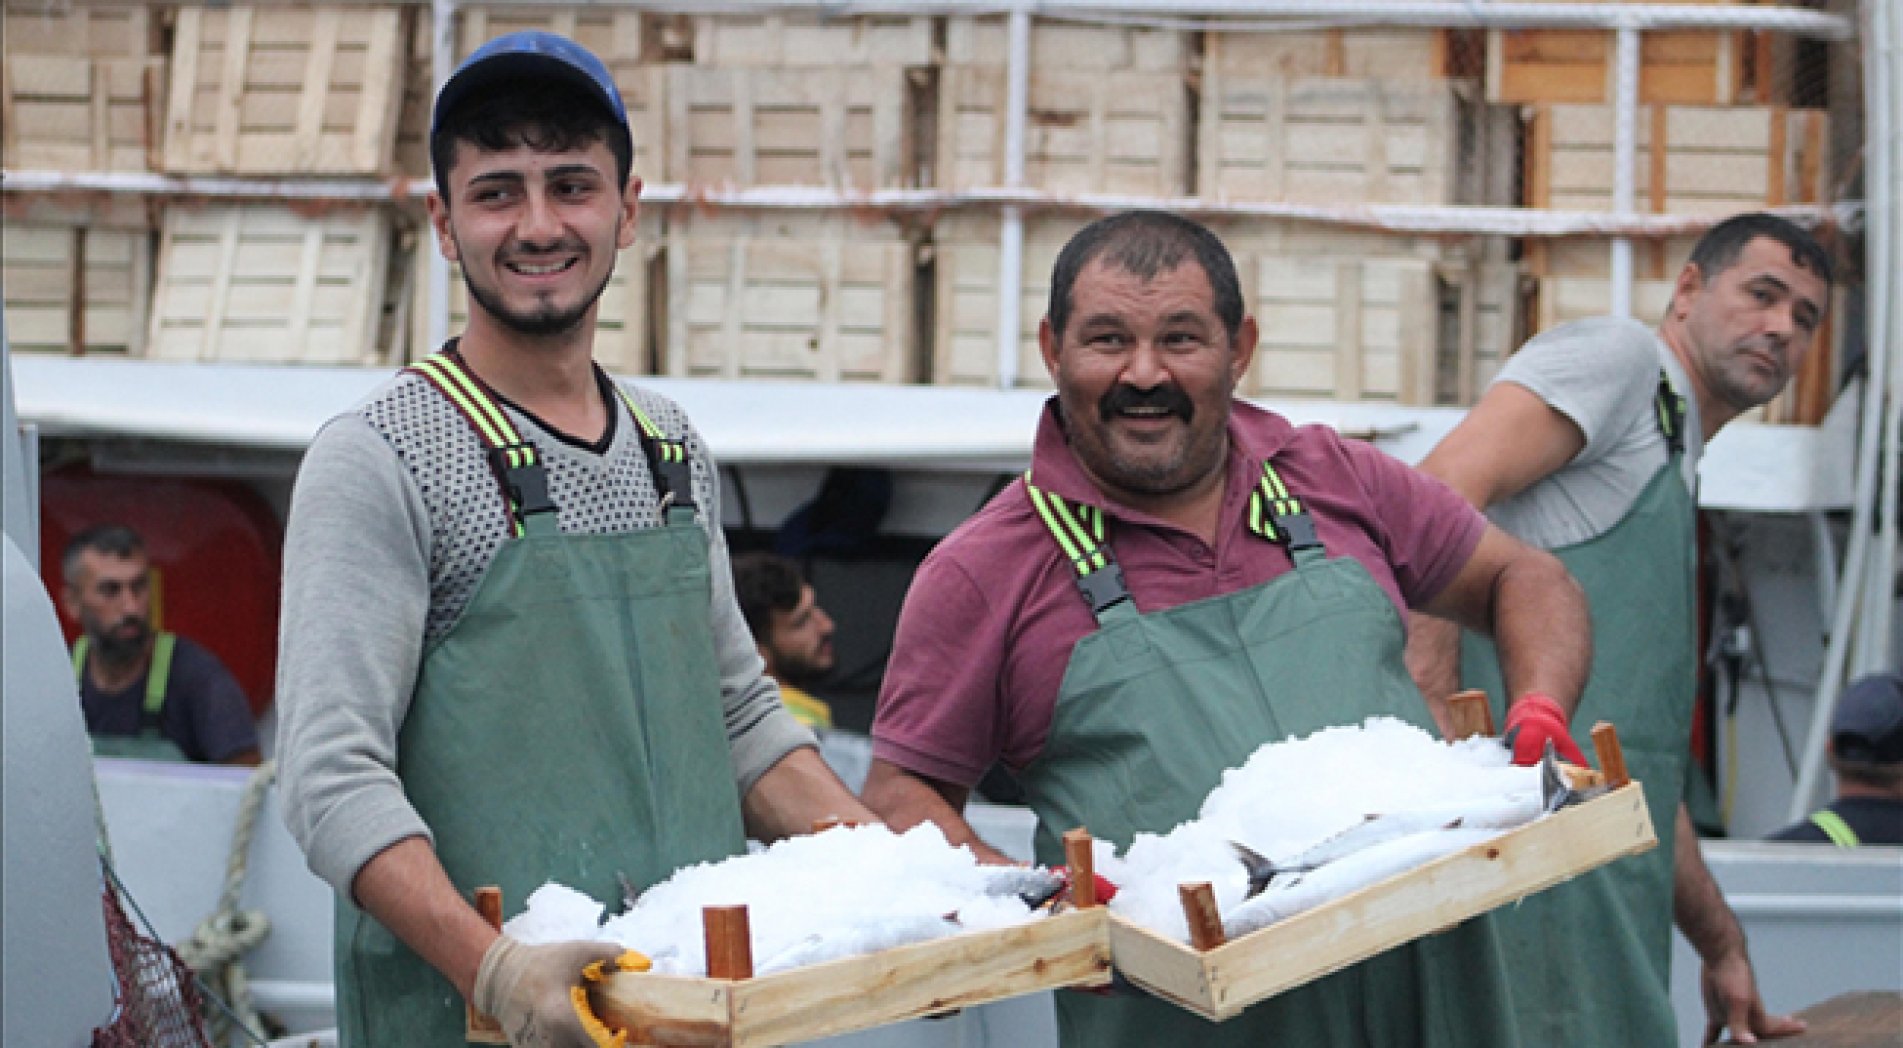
796	792
1730	989
1534	610
405	888
1510	440
905	799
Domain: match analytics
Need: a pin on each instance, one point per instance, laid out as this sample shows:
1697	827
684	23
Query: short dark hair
113	540
1145	243
1723	243
764	583
540	114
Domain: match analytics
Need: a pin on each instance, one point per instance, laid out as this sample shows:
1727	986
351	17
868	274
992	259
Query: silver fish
1512	810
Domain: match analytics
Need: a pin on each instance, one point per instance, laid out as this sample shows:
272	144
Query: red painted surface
215	547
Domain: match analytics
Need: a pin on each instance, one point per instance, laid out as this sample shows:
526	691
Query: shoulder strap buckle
1104	588
522	473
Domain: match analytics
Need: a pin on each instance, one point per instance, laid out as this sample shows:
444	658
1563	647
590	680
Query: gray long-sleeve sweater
395	517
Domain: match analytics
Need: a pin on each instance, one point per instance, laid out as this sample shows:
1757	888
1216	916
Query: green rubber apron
568	727
1592	957
150	743
1154	707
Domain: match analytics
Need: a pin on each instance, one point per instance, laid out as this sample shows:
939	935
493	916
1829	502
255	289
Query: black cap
532	55
1868	726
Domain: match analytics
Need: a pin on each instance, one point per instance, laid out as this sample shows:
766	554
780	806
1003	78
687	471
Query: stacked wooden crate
275	91
783	101
82	91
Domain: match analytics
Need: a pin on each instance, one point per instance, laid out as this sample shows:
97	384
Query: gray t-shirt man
1602	374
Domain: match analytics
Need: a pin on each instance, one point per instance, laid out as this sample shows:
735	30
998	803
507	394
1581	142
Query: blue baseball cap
532	55
1868	725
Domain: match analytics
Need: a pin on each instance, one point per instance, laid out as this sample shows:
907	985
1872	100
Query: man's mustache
1170	398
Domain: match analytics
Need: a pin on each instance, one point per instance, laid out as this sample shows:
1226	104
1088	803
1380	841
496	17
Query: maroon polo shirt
994	611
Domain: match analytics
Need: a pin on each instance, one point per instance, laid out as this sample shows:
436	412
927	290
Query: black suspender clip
1299	528
527	483
1104	588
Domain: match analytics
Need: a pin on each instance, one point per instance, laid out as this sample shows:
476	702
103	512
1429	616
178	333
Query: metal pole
442	63
1625	152
1017	102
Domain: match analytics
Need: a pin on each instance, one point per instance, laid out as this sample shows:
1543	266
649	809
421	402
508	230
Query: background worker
793	634
1587	444
1179	579
146	694
510	650
1866	753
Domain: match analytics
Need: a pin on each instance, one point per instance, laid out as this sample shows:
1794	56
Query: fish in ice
1503	812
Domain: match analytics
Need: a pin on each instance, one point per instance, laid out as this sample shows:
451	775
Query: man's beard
543	322
113	646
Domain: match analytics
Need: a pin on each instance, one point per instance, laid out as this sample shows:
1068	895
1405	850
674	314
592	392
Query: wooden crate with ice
842	930
1245	902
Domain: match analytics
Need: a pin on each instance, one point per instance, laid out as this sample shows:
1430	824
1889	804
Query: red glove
1106	891
1531	723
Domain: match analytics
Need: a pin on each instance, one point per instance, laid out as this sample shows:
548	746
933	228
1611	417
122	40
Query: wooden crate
623	342
76	288
1085	132
1657	259
789	295
1330	140
858	993
281	91
263	283
1564	299
1390	53
965	298
1709	160
832	126
628	42
1222	982
794	41
1069	47
1344	328
1480	327
1679	67
82	88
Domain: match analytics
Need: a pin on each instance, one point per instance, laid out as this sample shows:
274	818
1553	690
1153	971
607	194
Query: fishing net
158	1004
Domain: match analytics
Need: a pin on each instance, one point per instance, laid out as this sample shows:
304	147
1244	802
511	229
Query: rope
216	947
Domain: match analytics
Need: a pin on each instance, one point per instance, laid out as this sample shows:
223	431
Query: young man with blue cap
511	652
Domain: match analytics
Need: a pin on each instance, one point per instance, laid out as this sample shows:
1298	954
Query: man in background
1866	753
794	634
1587	444
145	693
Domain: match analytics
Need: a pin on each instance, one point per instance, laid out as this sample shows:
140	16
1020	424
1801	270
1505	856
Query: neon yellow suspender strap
667	461
517	466
1277	515
157	675
1079	531
1835	828
1671	413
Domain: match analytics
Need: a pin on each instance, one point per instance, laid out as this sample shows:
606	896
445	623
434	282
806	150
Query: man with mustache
1587	444
510	649
153	695
1178	579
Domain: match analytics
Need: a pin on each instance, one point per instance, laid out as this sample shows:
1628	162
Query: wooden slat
856	993
262	283
73	288
789	296
292	91
1714	160
1220	983
1676	67
837	127
1085	133
1328	140
1389	53
795	41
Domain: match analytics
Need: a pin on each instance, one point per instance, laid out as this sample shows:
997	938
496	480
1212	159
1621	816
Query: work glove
1534	721
526	989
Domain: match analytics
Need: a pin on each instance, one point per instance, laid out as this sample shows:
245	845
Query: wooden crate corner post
1204	919
482	1029
1470	714
729	941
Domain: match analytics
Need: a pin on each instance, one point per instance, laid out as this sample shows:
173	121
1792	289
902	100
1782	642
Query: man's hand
1731	1000
1534	721
526	989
